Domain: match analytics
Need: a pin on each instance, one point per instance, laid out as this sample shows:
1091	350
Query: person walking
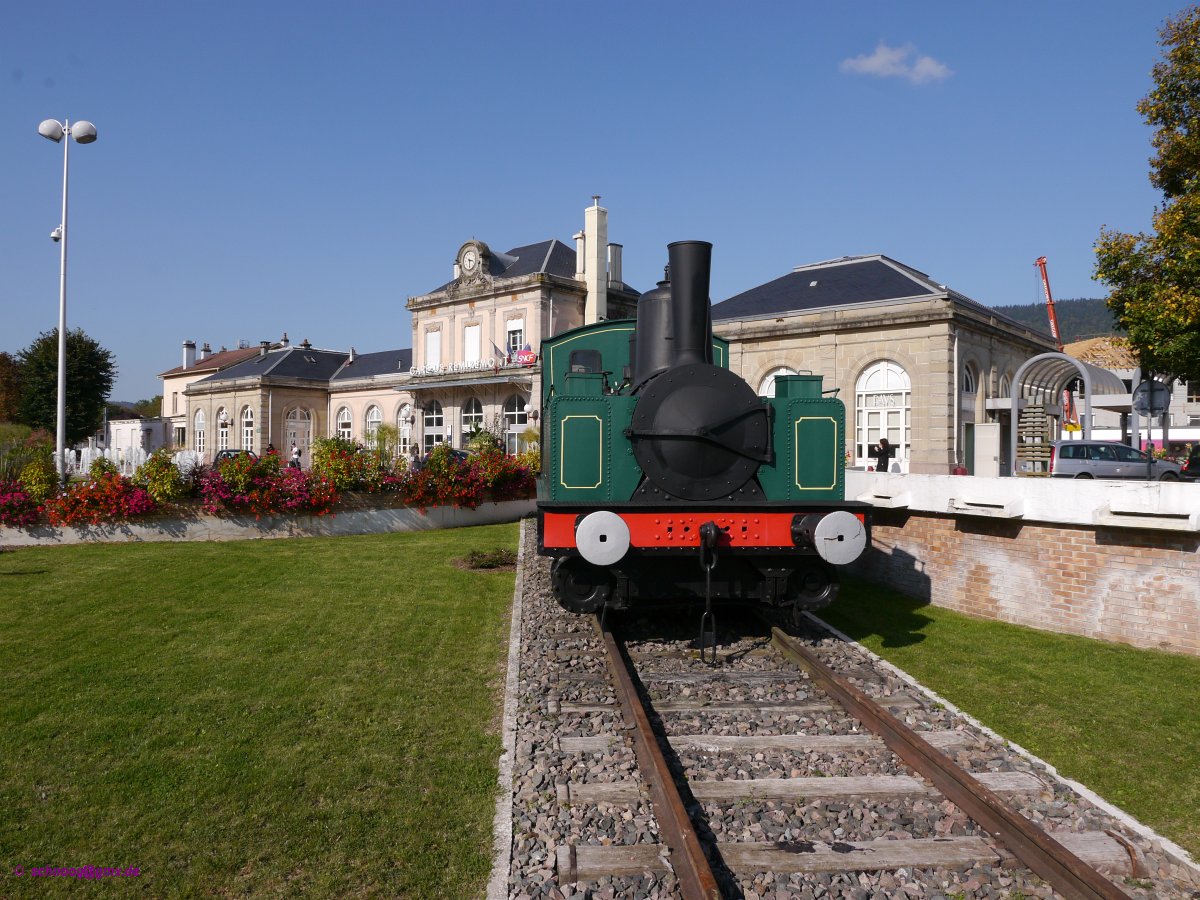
295	457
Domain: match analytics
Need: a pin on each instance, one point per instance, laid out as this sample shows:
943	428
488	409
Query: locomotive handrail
704	433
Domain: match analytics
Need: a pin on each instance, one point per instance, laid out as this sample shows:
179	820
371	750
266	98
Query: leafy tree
149	409
1155	278
10	388
90	375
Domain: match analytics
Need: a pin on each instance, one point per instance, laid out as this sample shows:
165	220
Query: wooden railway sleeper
1035	848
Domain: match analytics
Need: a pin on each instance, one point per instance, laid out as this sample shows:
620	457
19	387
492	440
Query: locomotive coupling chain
709	533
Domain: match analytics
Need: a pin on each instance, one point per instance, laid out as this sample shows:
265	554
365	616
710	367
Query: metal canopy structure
1038	389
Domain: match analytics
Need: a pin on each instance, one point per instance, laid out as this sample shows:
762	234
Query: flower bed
258	488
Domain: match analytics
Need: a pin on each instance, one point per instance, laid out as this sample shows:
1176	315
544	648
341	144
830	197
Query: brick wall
1135	587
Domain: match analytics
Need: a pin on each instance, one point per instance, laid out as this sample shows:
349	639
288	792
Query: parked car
1107	459
223	455
1191	468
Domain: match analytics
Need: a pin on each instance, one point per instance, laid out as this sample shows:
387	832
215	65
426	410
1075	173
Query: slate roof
289	362
214	361
551	257
847	281
368	365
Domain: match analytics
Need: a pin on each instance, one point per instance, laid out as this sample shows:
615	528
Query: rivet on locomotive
666	477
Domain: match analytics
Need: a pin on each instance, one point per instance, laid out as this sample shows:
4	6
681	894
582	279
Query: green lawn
1124	722
282	717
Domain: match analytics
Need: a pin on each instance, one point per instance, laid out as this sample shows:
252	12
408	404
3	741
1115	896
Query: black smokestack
690	265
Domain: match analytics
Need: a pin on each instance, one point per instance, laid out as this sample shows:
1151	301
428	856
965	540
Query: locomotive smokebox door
699	432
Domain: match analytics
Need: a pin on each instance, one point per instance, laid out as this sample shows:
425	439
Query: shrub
101	466
17	508
346	466
39	476
261	488
507	477
446	480
107	498
161	478
19	444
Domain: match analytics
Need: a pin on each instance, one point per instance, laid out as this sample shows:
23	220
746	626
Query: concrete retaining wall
237	528
1108	560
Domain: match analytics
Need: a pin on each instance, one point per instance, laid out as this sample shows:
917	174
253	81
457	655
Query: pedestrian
883	453
295	457
270	449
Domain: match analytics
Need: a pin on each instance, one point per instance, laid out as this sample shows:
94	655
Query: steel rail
1033	847
695	875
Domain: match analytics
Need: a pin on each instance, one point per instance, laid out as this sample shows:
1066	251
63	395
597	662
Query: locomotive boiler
666	477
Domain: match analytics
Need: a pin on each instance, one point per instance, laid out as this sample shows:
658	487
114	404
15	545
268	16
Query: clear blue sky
265	167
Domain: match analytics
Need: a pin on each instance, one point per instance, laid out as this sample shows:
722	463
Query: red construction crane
1070	417
1041	264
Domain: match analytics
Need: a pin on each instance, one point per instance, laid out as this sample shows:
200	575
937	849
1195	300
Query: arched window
248	429
345	424
472	418
766	387
882	408
374	420
404	427
435	425
198	431
222	429
969	381
1006	386
515	421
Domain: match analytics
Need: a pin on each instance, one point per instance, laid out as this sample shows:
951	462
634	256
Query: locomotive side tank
665	476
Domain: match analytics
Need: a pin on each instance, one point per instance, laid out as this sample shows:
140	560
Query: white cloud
897	62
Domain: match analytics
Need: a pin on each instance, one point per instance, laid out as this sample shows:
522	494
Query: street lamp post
83	133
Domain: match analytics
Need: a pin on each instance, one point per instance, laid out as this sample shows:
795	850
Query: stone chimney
614	265
595	276
189	354
283	341
262	347
353	356
580	247
205	350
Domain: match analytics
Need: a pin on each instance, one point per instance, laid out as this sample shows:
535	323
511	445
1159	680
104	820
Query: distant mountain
1077	319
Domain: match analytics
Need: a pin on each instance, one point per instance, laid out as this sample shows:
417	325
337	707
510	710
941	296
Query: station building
473	361
913	360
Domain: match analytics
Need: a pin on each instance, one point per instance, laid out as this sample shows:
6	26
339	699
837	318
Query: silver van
1106	459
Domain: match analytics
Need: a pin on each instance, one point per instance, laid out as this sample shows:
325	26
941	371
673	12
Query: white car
1107	459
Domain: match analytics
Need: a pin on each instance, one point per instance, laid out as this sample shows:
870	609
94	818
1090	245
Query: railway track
793	767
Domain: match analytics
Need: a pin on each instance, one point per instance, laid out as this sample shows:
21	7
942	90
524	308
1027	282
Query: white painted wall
1172	506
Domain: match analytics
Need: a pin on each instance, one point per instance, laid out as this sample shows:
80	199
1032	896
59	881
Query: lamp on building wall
83	133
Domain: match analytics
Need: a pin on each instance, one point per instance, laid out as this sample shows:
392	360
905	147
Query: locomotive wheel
580	587
812	587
